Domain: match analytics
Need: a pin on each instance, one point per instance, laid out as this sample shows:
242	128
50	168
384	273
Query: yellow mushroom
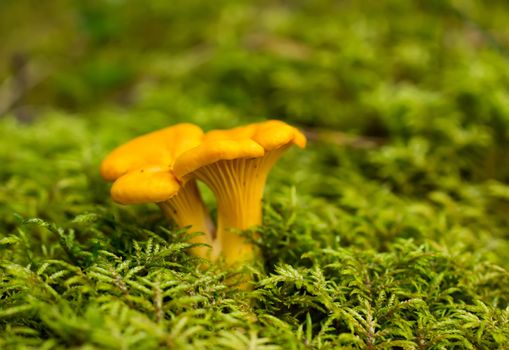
142	173
234	164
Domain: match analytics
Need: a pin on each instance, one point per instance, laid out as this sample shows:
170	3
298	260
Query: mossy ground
389	231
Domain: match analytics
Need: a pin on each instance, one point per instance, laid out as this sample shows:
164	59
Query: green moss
388	231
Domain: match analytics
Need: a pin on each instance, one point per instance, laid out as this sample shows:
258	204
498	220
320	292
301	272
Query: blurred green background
377	68
405	180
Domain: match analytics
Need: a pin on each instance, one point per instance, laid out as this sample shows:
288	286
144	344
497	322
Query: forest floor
390	230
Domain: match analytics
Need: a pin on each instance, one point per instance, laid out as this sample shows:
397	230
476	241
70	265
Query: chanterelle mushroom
234	164
142	173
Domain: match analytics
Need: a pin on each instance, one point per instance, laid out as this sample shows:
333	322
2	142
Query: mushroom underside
238	186
187	209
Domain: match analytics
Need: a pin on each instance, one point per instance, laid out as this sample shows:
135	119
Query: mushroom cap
274	134
250	141
158	148
145	185
211	151
271	134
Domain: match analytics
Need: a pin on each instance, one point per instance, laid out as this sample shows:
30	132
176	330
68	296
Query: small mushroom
142	173
234	164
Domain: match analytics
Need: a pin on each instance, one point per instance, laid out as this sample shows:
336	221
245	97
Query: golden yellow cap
145	185
274	134
158	148
270	134
212	151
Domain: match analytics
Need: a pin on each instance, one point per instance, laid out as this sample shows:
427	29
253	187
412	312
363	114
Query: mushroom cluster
162	167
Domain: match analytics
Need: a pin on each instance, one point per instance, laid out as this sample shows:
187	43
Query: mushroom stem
238	185
187	209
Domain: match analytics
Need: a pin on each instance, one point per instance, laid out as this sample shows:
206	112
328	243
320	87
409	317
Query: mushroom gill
142	173
234	164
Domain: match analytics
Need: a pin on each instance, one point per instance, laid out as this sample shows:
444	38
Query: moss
388	231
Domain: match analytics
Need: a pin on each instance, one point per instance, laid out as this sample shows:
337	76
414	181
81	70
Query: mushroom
234	164
142	173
